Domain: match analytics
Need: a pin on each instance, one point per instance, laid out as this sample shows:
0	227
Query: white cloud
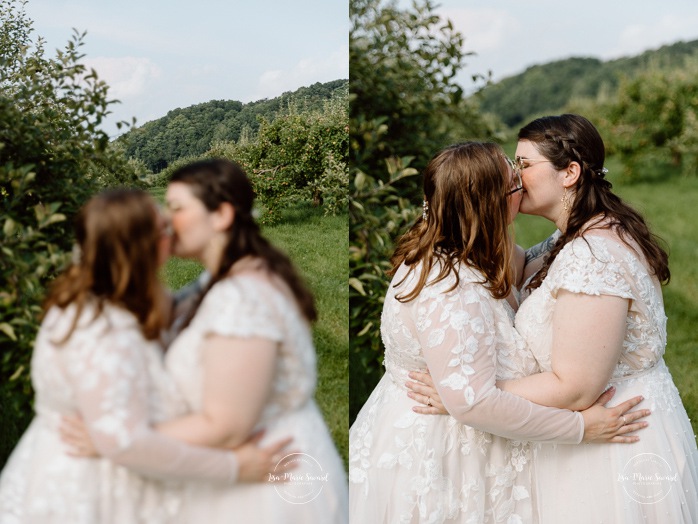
667	29
307	71
485	29
126	76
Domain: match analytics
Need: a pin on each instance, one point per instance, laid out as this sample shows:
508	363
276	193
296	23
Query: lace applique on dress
405	467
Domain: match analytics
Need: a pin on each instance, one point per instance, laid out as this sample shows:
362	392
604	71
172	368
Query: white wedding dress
654	480
114	378
408	468
246	305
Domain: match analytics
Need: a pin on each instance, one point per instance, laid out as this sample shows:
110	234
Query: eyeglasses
522	163
518	166
517	182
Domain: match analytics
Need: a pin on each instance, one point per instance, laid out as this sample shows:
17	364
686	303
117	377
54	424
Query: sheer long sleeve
113	393
458	334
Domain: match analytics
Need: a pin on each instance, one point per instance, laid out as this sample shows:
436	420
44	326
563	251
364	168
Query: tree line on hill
645	106
550	87
190	131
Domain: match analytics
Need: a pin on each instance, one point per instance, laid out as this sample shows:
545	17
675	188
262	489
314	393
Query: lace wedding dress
409	468
654	480
246	305
109	374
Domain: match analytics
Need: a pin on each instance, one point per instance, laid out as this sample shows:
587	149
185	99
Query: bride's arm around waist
588	334
112	388
457	332
238	374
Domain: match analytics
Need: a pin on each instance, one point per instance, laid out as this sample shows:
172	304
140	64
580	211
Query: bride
446	311
245	358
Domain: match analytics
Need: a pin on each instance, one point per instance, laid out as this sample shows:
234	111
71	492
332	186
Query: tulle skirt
42	484
653	481
408	468
315	492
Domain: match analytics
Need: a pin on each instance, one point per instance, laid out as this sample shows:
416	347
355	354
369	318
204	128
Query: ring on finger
624	421
428	401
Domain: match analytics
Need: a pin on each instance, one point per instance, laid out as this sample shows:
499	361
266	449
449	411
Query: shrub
404	106
300	155
52	158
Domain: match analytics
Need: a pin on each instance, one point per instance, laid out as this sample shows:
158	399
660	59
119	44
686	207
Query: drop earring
565	200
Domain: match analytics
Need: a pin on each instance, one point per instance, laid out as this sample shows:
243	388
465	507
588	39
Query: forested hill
549	88
191	130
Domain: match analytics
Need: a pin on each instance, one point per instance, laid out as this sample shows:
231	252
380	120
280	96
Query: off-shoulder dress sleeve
457	333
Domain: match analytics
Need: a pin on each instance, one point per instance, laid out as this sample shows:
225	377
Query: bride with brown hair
445	312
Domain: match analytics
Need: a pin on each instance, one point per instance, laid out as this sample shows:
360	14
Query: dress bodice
600	263
247	305
400	332
97	354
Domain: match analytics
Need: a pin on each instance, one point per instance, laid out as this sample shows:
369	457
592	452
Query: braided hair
570	138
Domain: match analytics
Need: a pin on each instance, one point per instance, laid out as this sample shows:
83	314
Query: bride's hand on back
422	390
264	464
613	424
601	424
74	433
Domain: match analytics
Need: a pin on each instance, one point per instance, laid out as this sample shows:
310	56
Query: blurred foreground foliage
52	158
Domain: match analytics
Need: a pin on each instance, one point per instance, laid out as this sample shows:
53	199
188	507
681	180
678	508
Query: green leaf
8	330
357	285
365	330
56	217
360	180
9	228
17	373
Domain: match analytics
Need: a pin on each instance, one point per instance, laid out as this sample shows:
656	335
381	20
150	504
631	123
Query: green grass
319	248
668	203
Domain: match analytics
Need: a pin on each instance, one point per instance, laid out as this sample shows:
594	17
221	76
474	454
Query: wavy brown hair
117	233
465	187
215	181
568	138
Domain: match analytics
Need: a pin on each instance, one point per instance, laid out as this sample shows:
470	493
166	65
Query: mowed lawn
318	245
669	204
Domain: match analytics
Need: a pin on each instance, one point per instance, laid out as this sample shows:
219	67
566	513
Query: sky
159	55
510	35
